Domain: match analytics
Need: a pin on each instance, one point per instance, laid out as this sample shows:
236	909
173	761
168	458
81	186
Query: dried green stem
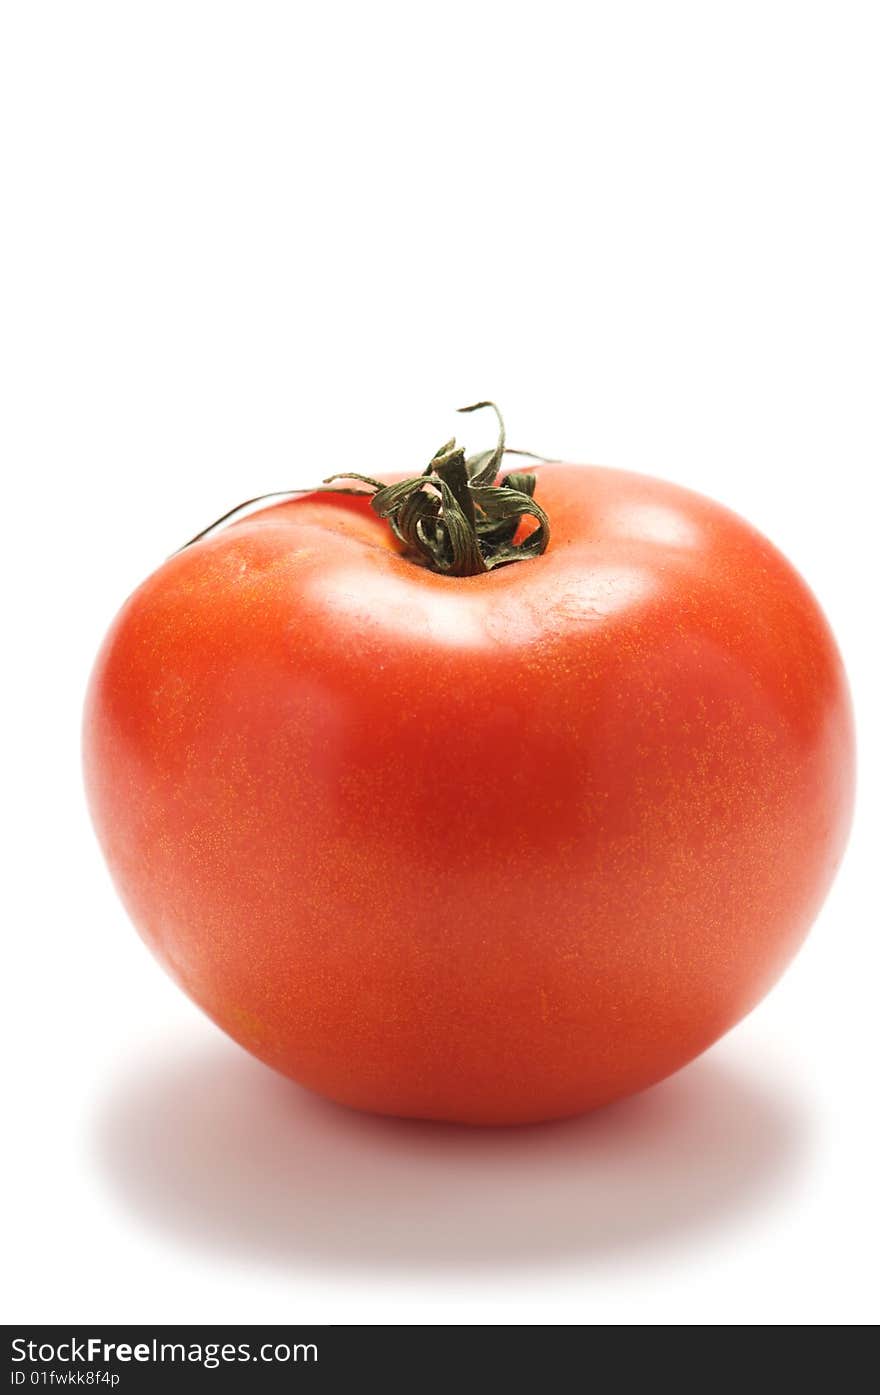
454	517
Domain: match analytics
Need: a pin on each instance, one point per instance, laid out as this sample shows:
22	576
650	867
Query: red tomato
488	848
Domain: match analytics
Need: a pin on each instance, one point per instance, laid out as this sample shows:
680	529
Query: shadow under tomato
225	1154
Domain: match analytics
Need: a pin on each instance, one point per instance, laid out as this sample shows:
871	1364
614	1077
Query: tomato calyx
456	517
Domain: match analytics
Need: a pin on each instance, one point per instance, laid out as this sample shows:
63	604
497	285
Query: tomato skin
492	849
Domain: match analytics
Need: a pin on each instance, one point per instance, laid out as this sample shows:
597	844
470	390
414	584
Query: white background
247	244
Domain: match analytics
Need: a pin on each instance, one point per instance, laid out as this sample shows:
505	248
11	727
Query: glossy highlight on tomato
490	848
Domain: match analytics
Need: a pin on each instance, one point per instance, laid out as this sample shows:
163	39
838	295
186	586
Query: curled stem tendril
453	517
